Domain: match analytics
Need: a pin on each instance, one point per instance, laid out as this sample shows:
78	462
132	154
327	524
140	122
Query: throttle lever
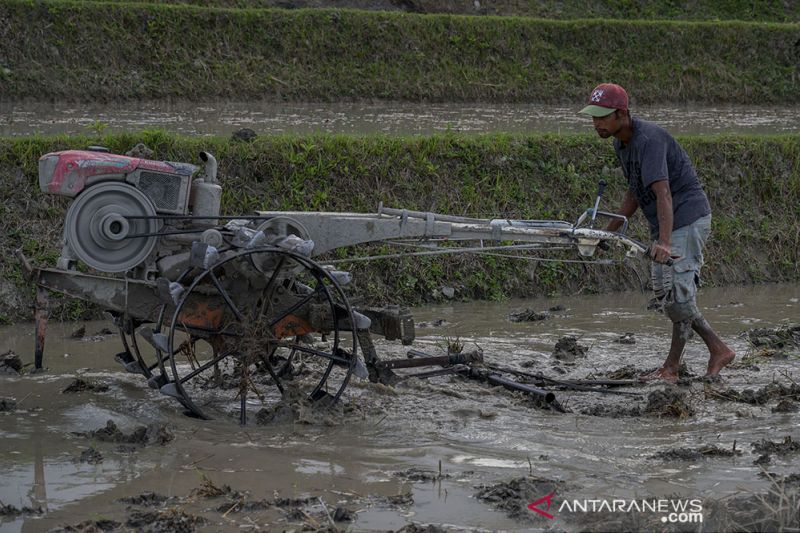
601	187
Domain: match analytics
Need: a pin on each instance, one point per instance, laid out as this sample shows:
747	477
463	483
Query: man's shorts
675	287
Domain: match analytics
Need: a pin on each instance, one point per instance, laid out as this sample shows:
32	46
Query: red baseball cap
605	99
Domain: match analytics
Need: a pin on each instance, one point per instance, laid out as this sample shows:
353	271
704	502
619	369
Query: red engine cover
66	173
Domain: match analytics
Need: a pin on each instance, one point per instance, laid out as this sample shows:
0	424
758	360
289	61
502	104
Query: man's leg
669	369
720	354
676	289
661	277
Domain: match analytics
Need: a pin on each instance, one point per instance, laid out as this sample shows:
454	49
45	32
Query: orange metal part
202	315
292	326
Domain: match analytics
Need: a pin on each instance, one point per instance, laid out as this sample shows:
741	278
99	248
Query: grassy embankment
753	184
761	11
113	51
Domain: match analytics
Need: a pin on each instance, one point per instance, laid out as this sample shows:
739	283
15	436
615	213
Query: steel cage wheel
262	342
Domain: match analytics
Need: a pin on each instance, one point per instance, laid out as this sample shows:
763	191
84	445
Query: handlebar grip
601	187
669	262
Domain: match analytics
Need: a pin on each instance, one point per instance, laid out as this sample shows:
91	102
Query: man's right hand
660	252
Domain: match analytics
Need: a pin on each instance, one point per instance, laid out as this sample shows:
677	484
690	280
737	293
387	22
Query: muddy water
222	118
360	460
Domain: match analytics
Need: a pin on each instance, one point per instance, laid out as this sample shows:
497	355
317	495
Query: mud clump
773	343
167	521
761	396
513	496
400	500
625	372
786	406
293	502
668	403
567	349
418	474
10	364
81	385
11	511
243	506
689	454
775	338
146	499
343	514
627	338
244	135
287	411
7	405
297	408
141	151
208	489
297	515
91	456
529	315
422	528
142	435
786	447
432	324
90	526
310	511
763	459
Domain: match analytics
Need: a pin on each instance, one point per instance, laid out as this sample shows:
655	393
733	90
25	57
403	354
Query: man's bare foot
719	361
668	374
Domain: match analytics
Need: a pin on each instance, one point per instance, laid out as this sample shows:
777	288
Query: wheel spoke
271	371
159	362
205	366
272	280
320	353
225	296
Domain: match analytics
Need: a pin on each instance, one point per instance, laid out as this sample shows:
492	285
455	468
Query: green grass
762	10
753	184
54	49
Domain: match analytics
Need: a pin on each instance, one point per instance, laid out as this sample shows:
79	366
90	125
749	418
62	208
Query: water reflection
396	118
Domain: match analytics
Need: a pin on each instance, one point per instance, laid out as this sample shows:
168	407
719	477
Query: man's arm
628	208
660	251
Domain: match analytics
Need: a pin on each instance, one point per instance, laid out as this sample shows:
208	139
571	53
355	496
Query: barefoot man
663	182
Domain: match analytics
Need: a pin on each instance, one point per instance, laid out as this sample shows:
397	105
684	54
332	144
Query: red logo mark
534	506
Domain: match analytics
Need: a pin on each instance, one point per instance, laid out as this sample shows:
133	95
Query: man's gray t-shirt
652	155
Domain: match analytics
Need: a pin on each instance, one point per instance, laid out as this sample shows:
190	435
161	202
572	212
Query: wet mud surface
88	447
243	120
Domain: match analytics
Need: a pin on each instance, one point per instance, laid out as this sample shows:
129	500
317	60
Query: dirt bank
92	51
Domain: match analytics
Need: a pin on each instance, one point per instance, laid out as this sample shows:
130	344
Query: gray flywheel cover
96	225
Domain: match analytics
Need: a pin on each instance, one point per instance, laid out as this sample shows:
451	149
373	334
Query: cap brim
597	111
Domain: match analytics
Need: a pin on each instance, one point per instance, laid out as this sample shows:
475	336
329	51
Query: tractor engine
129	214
